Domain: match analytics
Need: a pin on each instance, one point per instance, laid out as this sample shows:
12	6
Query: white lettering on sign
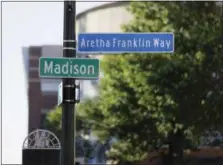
57	69
68	68
95	43
48	67
75	69
161	43
82	70
131	43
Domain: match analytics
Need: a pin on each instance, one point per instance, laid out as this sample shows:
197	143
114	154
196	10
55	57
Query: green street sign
80	68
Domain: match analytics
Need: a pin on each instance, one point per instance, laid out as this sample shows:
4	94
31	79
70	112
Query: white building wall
105	20
108	19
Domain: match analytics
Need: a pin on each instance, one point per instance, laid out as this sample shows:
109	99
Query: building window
42	120
50	87
33	69
50	93
33	74
35	51
34	63
44	111
34	57
34	80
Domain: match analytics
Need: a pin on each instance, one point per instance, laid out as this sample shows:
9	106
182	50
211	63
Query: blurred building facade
42	93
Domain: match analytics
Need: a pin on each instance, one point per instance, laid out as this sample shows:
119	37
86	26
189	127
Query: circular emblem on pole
41	139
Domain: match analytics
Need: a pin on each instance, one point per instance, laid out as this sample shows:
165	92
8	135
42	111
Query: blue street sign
110	43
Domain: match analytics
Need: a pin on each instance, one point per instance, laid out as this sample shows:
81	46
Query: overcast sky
24	24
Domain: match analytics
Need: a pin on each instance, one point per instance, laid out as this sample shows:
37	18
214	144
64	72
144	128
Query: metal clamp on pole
77	92
70	45
71	97
69	86
77	86
69	101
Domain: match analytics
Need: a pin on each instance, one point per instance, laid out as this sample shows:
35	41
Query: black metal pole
222	19
68	108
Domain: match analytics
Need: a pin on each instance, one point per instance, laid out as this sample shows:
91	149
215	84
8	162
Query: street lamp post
68	106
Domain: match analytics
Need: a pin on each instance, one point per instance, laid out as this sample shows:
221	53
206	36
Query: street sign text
109	43
69	68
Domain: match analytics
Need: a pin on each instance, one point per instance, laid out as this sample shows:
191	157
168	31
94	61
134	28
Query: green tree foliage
53	122
146	100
